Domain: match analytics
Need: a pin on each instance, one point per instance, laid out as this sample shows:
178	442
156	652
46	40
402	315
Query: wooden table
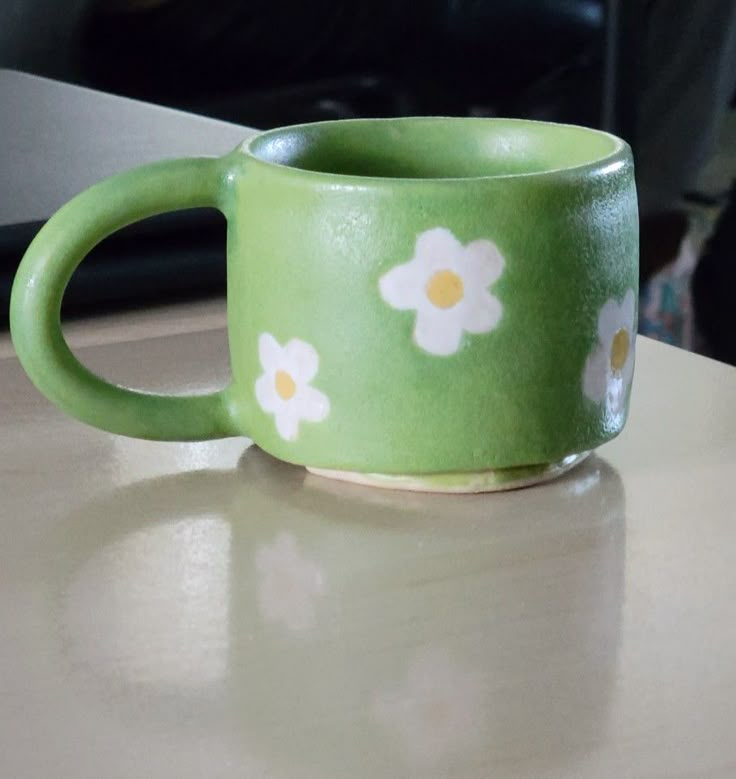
200	610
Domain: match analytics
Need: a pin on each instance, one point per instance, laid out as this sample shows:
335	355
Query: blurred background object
660	73
272	62
59	139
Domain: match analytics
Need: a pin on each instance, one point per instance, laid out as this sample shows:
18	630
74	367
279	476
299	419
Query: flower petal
481	312
301	360
403	286
311	404
438	334
615	395
628	310
266	393
437	248
287	421
595	374
610	320
627	371
481	263
269	352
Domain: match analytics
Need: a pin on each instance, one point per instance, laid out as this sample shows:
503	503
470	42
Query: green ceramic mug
429	303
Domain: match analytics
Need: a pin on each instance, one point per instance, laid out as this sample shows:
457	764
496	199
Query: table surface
190	610
58	139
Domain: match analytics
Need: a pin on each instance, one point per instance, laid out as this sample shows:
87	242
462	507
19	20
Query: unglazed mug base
492	480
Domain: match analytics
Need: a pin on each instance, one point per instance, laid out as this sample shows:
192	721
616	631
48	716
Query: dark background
633	67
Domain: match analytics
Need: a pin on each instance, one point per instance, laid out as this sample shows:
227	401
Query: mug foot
493	480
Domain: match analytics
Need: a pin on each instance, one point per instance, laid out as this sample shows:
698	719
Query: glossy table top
191	610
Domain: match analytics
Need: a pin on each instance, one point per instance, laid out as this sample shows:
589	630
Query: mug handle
45	270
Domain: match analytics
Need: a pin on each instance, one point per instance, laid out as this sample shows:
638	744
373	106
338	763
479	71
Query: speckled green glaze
318	216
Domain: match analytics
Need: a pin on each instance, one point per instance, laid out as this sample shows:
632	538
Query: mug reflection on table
384	633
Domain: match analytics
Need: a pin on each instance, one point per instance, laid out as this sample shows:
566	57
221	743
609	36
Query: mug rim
610	162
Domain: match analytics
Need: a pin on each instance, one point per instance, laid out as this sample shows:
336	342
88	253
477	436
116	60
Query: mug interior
434	147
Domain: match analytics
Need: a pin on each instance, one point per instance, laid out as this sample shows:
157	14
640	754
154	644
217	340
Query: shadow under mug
424	303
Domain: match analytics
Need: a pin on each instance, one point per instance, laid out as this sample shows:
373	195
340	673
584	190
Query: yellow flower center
445	289
285	385
619	349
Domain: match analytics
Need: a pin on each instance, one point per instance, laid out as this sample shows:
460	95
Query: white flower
437	711
610	366
447	284
288	584
283	389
